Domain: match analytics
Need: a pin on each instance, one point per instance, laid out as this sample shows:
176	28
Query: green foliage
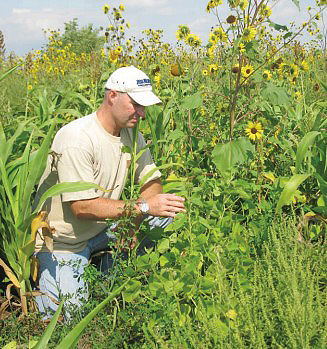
245	266
85	39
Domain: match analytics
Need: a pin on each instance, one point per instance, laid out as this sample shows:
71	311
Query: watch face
144	207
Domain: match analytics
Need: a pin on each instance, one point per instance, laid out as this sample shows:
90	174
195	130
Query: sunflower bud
176	70
235	69
316	87
231	19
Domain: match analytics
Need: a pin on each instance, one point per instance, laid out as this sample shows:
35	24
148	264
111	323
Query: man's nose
140	109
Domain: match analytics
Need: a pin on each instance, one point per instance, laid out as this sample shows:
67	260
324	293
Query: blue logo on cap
143	82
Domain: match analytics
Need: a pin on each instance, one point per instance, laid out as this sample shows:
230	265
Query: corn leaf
303	147
74	334
9	71
37	166
290	189
43	341
66	187
9	273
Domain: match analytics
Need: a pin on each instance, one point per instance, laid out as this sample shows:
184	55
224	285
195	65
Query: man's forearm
152	188
98	209
161	205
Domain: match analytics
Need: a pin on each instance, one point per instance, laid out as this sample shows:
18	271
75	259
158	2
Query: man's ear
111	96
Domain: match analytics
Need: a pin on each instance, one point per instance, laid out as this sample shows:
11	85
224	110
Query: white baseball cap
135	83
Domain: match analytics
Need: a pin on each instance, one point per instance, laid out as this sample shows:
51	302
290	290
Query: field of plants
241	134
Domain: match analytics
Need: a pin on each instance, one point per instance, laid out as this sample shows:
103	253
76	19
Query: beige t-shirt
84	151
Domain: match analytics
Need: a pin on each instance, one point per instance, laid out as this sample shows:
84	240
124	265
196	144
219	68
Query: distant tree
86	39
2	45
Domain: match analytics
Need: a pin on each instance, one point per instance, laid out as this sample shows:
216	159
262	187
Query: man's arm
163	205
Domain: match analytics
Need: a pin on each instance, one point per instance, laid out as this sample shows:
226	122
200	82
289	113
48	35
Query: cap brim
145	98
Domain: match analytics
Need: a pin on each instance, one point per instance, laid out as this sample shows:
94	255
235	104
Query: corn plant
20	223
70	340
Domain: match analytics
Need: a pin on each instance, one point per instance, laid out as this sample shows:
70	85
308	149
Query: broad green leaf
132	290
290	189
227	155
150	173
303	147
66	187
10	345
74	334
163	245
276	95
278	27
176	134
43	341
192	102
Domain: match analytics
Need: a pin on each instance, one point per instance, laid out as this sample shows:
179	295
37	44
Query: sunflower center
248	71
254	130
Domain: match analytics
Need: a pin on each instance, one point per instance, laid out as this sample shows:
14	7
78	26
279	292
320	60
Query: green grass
283	306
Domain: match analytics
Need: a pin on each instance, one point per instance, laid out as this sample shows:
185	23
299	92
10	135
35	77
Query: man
90	149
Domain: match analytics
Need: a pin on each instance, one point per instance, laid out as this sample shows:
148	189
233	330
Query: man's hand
166	205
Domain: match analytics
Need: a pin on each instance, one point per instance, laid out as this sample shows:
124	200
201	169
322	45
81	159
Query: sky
22	21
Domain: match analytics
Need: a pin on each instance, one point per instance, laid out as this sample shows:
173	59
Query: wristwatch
144	206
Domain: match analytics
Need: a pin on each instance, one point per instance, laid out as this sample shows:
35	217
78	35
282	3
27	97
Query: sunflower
243	4
182	32
297	95
265	11
105	9
121	7
294	70
220	34
266	75
157	78
254	130
214	141
304	65
213	68
249	33
119	49
212	4
241	47
212	38
179	35
247	70
204	72
117	15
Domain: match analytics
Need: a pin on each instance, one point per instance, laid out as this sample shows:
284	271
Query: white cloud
285	11
24	27
145	3
21	11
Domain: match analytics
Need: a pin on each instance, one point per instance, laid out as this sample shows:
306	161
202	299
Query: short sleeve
145	164
74	165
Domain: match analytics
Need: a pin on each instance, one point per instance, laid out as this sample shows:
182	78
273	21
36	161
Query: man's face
126	111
